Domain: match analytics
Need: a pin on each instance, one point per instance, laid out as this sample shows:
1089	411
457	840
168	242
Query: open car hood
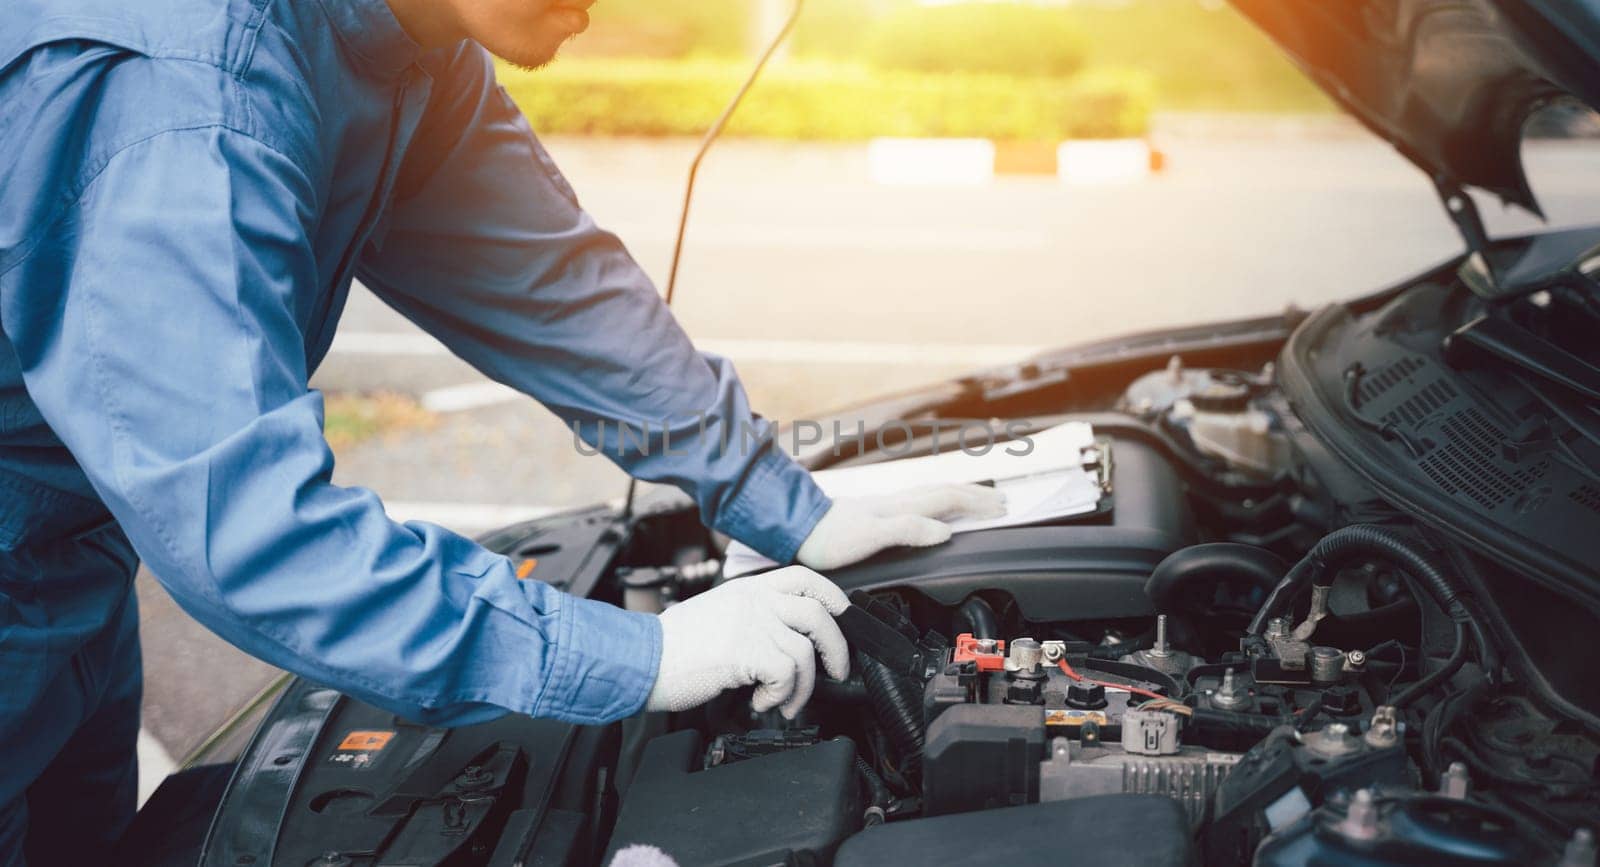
1448	82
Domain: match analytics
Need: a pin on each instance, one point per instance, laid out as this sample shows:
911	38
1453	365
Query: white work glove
640	855
855	528
765	630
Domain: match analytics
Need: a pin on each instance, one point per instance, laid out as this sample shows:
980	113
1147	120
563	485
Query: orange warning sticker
1072	717
370	742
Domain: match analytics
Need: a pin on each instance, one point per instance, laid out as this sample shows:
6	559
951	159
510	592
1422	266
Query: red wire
1067	669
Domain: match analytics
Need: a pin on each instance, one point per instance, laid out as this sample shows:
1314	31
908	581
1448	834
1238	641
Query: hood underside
1448	82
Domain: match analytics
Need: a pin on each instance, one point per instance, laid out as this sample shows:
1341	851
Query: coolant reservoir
1223	423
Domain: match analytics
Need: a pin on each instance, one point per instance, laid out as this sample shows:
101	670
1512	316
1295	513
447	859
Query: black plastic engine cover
1105	831
332	782
789	807
1460	442
1088	568
982	756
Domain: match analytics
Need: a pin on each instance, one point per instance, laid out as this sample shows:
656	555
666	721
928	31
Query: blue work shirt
187	189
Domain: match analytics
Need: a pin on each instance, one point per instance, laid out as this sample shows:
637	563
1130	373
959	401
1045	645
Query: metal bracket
1319	610
1097	460
1463	212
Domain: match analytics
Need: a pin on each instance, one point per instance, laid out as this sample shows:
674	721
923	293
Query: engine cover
1087	568
1113	829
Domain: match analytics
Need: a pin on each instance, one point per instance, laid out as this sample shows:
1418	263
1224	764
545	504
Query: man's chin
530	63
527	57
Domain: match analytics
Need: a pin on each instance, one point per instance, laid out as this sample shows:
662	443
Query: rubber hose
1307	716
848	691
1213	561
977	617
1466	567
1438	722
1458	657
1362	628
896	709
1361	540
1230	722
877	792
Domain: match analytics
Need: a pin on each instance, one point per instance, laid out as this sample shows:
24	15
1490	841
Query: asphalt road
793	249
826	288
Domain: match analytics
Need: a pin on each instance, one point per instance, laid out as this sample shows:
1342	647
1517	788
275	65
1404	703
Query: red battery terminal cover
967	649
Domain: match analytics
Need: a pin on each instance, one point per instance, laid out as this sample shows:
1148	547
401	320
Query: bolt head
1384	729
1361	817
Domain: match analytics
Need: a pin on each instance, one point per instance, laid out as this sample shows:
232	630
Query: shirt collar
370	30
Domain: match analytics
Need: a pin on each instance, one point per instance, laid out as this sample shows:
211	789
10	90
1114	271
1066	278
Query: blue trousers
70	684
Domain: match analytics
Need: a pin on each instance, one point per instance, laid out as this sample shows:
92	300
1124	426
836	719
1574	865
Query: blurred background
854	69
827	285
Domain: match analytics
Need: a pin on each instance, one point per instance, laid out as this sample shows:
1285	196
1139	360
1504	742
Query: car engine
1253	651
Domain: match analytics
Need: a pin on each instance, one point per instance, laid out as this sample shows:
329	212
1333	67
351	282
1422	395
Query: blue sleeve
488	250
156	331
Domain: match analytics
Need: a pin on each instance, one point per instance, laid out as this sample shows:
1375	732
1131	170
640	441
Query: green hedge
1001	38
1009	38
828	101
1199	54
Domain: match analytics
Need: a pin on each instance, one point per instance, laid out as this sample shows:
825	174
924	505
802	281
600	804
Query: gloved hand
855	528
765	630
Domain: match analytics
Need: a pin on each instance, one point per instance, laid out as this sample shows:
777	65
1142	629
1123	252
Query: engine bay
1251	653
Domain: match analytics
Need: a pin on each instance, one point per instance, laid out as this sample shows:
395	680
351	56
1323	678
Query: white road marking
464	517
1114	161
785	351
155	763
471	395
480	394
386	343
476	395
931	161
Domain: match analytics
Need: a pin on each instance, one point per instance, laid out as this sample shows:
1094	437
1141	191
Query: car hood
1448	82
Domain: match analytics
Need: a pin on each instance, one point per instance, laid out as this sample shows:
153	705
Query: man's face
524	32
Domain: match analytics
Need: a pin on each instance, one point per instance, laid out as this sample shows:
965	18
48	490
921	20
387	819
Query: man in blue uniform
187	191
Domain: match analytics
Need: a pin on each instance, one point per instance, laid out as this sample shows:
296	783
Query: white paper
1046	483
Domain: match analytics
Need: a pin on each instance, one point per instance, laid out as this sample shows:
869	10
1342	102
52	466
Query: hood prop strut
1463	212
